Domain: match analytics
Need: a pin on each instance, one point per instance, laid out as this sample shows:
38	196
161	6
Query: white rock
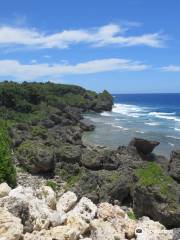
4	190
85	209
49	196
42	235
25	194
116	216
10	226
40	214
104	230
57	218
150	230
108	211
75	227
66	201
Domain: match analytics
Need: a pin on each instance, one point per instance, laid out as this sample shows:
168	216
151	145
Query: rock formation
70	219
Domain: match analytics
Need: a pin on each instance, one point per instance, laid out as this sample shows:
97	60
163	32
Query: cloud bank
18	71
171	68
111	34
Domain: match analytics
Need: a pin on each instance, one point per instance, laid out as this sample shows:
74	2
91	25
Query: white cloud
171	68
16	70
111	34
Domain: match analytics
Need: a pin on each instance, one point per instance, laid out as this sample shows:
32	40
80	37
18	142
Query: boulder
66	201
69	153
159	202
38	235
35	156
33	209
98	158
116	216
4	189
174	165
48	195
103	230
86	125
84	209
150	230
74	228
176	234
10	226
143	146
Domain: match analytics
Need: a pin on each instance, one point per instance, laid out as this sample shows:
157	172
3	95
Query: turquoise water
150	116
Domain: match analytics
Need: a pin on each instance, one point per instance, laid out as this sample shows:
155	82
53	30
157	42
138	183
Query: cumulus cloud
171	68
111	34
19	71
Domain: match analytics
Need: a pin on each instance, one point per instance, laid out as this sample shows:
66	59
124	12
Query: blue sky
124	46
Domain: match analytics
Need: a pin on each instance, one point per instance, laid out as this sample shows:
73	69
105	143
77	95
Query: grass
153	175
52	184
131	215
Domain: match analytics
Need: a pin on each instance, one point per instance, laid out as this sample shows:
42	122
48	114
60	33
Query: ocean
149	116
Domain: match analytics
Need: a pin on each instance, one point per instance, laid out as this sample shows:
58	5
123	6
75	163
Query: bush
52	184
7	170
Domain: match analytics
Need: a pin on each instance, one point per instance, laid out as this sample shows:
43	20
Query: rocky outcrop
143	146
157	195
174	165
82	220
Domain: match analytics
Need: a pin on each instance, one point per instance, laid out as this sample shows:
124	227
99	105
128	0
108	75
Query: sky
124	46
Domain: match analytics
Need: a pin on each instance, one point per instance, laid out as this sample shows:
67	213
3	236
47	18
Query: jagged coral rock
66	201
4	189
10	226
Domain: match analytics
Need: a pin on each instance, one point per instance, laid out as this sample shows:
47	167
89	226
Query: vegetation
131	215
153	175
25	97
7	170
52	184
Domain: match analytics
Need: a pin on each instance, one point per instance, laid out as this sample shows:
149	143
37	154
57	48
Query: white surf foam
106	114
174	137
166	116
152	123
177	129
139	131
171	144
128	110
120	127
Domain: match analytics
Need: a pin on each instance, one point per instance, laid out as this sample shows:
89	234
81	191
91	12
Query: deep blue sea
150	116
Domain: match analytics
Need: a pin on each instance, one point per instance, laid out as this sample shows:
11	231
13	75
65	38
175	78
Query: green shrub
131	215
7	170
52	184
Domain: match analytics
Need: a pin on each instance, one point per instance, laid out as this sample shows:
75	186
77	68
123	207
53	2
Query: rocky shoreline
45	126
40	215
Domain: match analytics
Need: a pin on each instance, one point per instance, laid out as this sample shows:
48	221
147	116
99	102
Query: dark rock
35	156
86	125
162	161
104	185
104	102
143	146
96	159
47	123
68	153
174	165
128	158
157	198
